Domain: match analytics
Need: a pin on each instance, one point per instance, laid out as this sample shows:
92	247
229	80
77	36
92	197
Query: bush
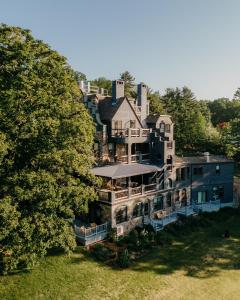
149	228
101	252
123	259
163	238
133	237
112	235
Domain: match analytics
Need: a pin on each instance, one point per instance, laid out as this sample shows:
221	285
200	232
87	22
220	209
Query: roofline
131	109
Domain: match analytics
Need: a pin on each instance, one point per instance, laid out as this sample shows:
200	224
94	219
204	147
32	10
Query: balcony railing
113	196
131	132
150	187
140	157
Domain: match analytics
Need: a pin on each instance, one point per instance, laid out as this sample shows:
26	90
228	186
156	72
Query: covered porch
125	181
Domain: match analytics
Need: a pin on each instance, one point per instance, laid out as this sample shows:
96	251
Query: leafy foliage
45	150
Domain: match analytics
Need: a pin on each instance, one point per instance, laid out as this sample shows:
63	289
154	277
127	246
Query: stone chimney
117	90
142	100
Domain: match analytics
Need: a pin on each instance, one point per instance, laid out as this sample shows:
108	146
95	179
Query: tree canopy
46	138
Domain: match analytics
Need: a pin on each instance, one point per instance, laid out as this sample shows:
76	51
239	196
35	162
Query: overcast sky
165	43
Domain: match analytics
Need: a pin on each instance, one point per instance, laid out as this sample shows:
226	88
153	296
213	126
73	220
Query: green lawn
199	265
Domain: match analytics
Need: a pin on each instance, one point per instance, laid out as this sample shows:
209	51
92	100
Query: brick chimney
117	90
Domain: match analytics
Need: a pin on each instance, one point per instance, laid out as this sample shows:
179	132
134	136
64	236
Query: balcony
135	134
135	158
91	234
127	193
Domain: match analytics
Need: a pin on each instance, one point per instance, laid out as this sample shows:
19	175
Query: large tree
46	138
191	127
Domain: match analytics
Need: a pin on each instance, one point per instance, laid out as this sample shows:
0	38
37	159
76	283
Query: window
169	200
201	197
132	123
218	193
117	124
217	169
198	171
167	128
121	215
162	127
184	197
138	210
182	173
158	203
178	174
169	145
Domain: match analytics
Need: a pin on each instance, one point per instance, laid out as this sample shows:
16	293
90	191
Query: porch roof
124	170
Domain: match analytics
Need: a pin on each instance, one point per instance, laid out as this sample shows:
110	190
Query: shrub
112	234
133	237
123	259
101	252
163	238
149	228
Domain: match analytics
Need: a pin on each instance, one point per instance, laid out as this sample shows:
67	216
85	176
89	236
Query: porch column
129	152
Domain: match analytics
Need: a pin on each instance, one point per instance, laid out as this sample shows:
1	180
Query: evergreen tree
46	138
129	83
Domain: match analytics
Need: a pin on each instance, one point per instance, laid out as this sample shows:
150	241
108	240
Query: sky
164	43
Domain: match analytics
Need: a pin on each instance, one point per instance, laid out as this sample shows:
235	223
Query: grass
198	265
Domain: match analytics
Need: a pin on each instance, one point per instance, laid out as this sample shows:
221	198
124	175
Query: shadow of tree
200	253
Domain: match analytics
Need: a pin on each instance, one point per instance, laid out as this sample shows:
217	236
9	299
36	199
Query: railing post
143	186
112	196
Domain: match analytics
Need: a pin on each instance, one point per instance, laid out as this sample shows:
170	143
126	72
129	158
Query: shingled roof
106	109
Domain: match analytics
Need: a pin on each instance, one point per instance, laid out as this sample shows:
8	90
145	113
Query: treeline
200	125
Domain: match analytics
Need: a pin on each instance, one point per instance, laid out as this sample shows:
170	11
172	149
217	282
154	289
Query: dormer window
167	128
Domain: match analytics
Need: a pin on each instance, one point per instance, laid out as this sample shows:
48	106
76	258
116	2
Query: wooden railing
136	190
85	232
131	132
150	187
121	194
140	157
112	196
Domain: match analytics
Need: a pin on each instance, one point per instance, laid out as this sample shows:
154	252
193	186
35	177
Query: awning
125	170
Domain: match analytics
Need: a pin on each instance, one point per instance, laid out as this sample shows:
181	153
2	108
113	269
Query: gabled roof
107	110
122	170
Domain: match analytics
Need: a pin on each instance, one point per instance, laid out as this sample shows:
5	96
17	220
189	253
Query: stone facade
128	136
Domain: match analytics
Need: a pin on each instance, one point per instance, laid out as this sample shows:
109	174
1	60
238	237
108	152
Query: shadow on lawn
202	253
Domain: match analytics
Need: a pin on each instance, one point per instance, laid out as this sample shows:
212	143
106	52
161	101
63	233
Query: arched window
121	214
158	203
138	210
